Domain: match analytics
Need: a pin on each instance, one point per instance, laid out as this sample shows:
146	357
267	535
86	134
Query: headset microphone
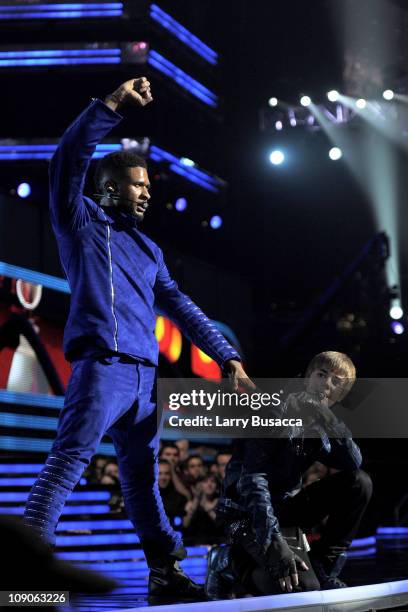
111	195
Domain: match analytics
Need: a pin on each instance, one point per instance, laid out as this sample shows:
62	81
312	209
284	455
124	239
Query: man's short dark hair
222	452
188	460
116	163
164	462
169	445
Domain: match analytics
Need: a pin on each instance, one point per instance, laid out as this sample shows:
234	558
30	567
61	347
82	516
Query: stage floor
385	566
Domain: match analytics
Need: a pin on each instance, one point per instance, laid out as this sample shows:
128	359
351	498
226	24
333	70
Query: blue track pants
118	398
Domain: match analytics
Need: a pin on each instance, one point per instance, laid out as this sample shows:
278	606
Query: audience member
184	446
110	474
93	473
221	461
199	520
173	501
195	467
171	453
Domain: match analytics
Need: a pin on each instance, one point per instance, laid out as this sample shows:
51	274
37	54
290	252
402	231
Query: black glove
313	410
280	558
283	562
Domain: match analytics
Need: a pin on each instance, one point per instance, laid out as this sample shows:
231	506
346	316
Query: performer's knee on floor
358	479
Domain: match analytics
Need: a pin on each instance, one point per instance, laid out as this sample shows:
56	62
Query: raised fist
136	91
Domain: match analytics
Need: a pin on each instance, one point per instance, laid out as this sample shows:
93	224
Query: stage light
215	222
276	157
23	190
305	101
335	153
278	125
187	162
396	312
181	204
333	95
388	94
293	121
361	103
397	328
273	101
139	46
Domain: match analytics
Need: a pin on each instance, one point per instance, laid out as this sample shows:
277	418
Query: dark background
288	232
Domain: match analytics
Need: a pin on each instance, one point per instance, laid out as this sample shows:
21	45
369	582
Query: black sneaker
328	570
168	582
220	579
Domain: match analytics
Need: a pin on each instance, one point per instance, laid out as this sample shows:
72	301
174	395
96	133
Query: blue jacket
117	275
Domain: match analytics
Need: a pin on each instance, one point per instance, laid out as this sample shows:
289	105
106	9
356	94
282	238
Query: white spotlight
273	101
278	125
305	101
361	103
276	157
396	312
24	190
335	153
333	95
388	94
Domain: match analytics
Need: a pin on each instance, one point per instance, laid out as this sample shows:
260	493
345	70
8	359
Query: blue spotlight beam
52	53
192	173
21	496
14	152
103	555
58	62
42	445
98	55
95	525
22	398
33	422
59	57
61	10
182	172
24	482
97	539
185	81
38	278
20	468
94	10
392	531
68	510
180	32
28	421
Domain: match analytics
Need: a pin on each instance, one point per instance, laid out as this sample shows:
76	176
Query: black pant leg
343	497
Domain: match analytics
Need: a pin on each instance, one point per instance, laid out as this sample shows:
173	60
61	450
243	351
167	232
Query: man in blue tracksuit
116	275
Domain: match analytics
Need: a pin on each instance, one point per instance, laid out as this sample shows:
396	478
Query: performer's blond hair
337	362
